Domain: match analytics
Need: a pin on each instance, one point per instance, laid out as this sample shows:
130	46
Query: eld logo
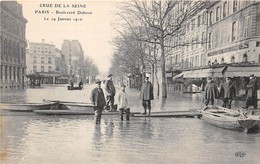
240	154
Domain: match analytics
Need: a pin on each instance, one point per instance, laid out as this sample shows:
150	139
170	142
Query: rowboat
28	106
73	105
229	119
74	88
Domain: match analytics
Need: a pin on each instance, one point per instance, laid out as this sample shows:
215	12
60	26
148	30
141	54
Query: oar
68	102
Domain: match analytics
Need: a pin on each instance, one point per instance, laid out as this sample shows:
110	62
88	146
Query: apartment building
13	45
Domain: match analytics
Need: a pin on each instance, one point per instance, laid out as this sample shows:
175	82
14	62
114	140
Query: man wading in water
97	98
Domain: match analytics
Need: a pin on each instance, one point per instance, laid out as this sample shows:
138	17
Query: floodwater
29	138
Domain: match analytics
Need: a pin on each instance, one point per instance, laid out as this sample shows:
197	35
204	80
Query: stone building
44	64
228	37
13	45
74	59
233	32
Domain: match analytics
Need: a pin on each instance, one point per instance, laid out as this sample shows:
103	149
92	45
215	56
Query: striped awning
242	71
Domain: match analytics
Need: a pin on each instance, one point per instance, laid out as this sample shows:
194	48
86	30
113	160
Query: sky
94	31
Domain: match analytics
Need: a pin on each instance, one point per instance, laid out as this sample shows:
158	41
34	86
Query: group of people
105	100
228	92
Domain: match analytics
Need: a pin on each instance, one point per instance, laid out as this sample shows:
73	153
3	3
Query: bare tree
163	21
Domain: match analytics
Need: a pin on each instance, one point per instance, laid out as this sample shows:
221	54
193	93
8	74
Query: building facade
13	45
74	59
233	32
45	64
222	38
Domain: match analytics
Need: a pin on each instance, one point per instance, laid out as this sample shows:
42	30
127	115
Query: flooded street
30	138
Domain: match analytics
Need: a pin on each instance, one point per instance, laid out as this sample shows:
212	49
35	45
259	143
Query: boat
76	112
29	106
229	119
73	105
74	88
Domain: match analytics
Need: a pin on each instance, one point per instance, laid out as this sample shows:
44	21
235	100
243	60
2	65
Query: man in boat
251	96
123	103
97	98
80	84
147	95
227	92
211	92
110	93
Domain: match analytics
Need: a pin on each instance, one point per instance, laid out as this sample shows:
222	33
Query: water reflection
30	138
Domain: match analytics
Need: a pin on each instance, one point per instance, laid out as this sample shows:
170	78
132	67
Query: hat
122	85
98	81
109	75
146	77
252	75
209	78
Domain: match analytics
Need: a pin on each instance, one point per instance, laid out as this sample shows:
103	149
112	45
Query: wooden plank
170	114
74	112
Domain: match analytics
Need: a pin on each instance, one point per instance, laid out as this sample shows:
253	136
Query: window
246	27
211	18
10	72
217	14
210	40
196	61
222	61
49	69
49	60
42	68
234	31
202	60
188	26
34	68
202	38
192	24
234	6
6	72
224	9
232	59
199	19
42	59
191	62
34	59
245	59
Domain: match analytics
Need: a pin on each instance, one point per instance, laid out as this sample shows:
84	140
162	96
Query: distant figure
211	92
251	95
71	84
123	103
147	95
227	92
80	84
110	92
97	98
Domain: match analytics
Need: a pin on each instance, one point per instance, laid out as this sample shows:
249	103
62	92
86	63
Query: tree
162	21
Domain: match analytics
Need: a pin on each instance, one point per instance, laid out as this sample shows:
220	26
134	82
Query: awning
242	71
200	73
188	74
219	72
178	76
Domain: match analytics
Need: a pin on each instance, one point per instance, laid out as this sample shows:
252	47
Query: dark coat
110	88
211	91
252	89
227	91
97	98
147	91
